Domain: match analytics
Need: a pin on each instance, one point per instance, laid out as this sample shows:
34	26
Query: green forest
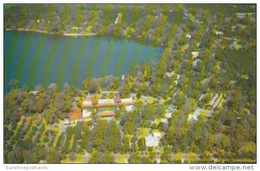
208	65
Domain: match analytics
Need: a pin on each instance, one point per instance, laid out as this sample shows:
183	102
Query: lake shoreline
52	33
75	35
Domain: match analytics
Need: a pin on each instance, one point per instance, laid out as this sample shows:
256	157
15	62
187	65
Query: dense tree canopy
221	82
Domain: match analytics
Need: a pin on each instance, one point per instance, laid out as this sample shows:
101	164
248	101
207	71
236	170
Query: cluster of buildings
100	108
153	140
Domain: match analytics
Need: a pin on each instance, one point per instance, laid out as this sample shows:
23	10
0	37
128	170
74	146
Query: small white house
122	77
169	111
198	44
127	100
151	141
195	63
66	121
164	120
129	108
168	74
188	36
192	117
33	92
119	18
168	115
182	160
195	54
198	112
220	33
86	113
158	160
87	102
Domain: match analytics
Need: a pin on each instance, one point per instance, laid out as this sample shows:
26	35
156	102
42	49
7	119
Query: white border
107	167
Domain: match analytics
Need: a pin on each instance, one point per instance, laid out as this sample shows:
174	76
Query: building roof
127	101
195	54
98	102
188	35
226	38
219	32
195	62
169	111
106	113
117	99
170	108
75	114
107	102
192	117
198	112
94	100
151	141
164	120
87	102
33	92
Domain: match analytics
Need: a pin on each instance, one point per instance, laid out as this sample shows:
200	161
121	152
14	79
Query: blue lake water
35	58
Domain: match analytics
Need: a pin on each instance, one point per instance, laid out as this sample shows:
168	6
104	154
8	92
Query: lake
36	58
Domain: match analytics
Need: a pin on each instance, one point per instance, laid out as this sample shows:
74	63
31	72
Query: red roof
226	38
106	113
117	99
75	114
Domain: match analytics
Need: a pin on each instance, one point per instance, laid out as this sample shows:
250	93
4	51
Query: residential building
119	18
151	141
219	33
195	64
66	121
105	107
122	77
106	114
195	54
129	108
169	111
198	112
188	36
192	117
75	114
226	38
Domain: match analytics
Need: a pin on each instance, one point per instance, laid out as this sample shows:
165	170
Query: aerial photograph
129	83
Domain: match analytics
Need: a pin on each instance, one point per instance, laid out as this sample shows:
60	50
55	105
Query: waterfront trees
34	119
